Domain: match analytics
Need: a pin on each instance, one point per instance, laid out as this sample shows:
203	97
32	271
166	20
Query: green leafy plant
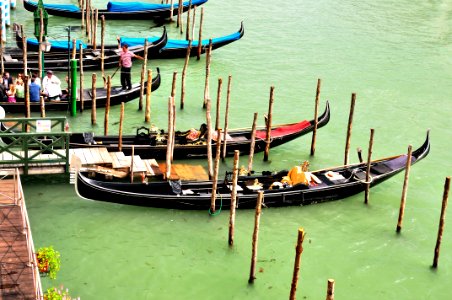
48	261
57	294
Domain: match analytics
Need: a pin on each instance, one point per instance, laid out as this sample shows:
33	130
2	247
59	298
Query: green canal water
395	55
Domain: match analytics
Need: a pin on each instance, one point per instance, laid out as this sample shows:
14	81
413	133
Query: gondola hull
149	146
162	11
92	59
172	49
349	180
117	96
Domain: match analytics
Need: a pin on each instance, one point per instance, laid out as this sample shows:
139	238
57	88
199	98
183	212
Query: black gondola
117	10
153	144
117	95
58	61
332	184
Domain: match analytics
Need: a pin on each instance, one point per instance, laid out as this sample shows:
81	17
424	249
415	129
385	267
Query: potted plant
58	294
48	261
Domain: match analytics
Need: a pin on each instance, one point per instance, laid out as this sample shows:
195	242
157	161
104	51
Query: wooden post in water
233	184
42	105
193	23
143	74
74	49
369	161
82	7
147	111
269	124
187	31
102	46
200	34
206	87
107	105
441	221
349	128
252	144
405	189
121	123
24	50
330	290
316	117
171	10
93	99
255	237
88	20
296	269
131	163
226	117
27	95
82	76
173	85
173	139
96	22
2	44
142	77
179	14
209	139
217	114
215	172
184	74
169	139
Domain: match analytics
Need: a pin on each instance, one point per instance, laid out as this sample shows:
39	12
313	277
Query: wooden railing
25	141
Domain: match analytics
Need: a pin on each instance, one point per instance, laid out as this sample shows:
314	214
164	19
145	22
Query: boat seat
380	169
7	57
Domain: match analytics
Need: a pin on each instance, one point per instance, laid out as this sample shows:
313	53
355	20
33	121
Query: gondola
58	61
117	96
117	10
331	184
172	49
178	48
153	143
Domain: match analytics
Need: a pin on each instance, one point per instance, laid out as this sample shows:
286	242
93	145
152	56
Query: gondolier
125	62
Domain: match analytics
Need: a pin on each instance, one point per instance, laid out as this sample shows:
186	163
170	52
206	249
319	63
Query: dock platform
19	276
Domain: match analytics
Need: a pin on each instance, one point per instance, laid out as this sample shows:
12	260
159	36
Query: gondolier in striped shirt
125	62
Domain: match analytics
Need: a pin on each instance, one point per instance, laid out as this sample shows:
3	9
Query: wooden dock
99	156
19	276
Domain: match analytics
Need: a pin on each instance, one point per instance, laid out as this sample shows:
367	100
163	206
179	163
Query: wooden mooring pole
369	160
184	75
43	107
349	128
252	144
206	85
215	173
330	290
442	220
235	174
217	113
269	123
316	117
121	123
296	269
404	190
107	105
147	111
201	19
226	118
209	139
94	95
82	106
257	217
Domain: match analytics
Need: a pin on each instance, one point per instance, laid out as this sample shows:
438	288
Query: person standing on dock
125	62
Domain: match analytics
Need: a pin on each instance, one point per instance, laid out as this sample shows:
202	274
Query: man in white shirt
51	86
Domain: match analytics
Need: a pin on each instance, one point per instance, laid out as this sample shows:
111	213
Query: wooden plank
105	155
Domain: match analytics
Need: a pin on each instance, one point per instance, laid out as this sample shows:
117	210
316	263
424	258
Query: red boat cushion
283	130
